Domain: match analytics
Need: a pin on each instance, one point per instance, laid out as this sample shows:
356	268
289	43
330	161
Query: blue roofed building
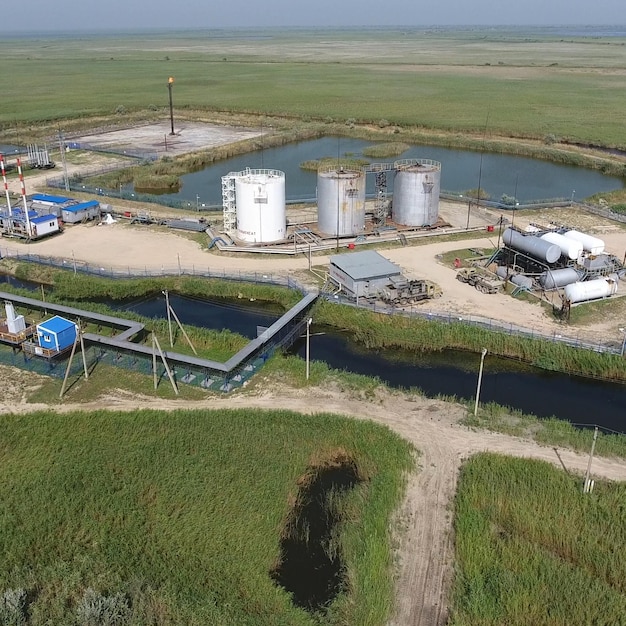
56	334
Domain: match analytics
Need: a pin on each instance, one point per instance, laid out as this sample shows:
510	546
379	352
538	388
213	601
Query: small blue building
57	333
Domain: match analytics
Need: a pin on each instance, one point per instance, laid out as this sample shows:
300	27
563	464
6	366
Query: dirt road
424	523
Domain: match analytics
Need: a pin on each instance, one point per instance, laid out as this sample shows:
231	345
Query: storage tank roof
363	265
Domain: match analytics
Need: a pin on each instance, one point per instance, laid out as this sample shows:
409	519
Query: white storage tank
260	206
341	202
416	190
591	289
591	244
570	248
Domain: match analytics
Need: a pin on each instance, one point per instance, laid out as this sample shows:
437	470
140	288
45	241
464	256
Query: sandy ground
424	531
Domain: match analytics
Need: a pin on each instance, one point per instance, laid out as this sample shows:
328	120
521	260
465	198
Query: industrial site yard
135	248
424	543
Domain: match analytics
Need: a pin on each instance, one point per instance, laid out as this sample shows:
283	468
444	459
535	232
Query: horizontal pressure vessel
522	281
590	289
570	248
558	278
532	245
593	245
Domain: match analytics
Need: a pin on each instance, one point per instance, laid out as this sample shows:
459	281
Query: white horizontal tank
260	205
591	244
591	289
416	190
570	248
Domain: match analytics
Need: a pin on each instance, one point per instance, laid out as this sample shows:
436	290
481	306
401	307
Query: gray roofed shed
362	273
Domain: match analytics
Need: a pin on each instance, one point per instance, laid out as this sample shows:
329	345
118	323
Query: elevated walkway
283	332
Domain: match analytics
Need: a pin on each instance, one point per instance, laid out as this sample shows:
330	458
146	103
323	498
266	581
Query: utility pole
480	378
308	339
170	82
66	179
588	486
169	316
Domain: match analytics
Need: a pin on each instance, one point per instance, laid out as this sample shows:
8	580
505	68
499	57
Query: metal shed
56	334
43	225
361	274
81	212
41	202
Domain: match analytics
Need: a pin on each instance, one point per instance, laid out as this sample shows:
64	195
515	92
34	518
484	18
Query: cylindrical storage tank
416	189
260	205
593	245
558	278
532	245
570	248
522	281
590	290
341	202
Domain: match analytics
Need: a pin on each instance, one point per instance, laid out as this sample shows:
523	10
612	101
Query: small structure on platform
14	329
54	336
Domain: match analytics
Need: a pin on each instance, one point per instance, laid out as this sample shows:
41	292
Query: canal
449	373
579	400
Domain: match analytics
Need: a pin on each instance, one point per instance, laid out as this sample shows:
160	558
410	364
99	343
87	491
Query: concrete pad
155	139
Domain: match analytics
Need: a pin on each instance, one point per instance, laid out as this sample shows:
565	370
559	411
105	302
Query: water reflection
454	373
529	179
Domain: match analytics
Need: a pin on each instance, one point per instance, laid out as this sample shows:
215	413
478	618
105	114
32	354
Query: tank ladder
229	203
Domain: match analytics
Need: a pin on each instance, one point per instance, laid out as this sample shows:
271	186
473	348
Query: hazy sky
116	15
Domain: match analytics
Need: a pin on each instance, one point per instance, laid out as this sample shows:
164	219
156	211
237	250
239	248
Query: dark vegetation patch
311	564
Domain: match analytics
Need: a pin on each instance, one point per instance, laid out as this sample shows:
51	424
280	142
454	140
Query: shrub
550	139
13	607
94	609
120	110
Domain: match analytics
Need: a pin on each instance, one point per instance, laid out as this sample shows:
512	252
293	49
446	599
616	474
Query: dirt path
425	550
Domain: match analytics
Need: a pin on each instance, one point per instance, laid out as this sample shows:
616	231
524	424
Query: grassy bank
551	432
181	514
393	331
83	291
532	549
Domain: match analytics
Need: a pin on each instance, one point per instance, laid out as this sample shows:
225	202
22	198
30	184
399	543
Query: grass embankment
532	549
378	330
334	163
80	290
182	513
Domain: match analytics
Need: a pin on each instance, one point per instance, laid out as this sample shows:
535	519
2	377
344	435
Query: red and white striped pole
6	185
19	171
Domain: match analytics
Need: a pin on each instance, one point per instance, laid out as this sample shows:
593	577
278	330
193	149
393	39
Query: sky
124	15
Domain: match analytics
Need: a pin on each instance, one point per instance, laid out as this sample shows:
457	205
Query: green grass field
513	83
533	550
182	513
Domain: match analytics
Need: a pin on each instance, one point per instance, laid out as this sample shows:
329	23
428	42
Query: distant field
521	84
